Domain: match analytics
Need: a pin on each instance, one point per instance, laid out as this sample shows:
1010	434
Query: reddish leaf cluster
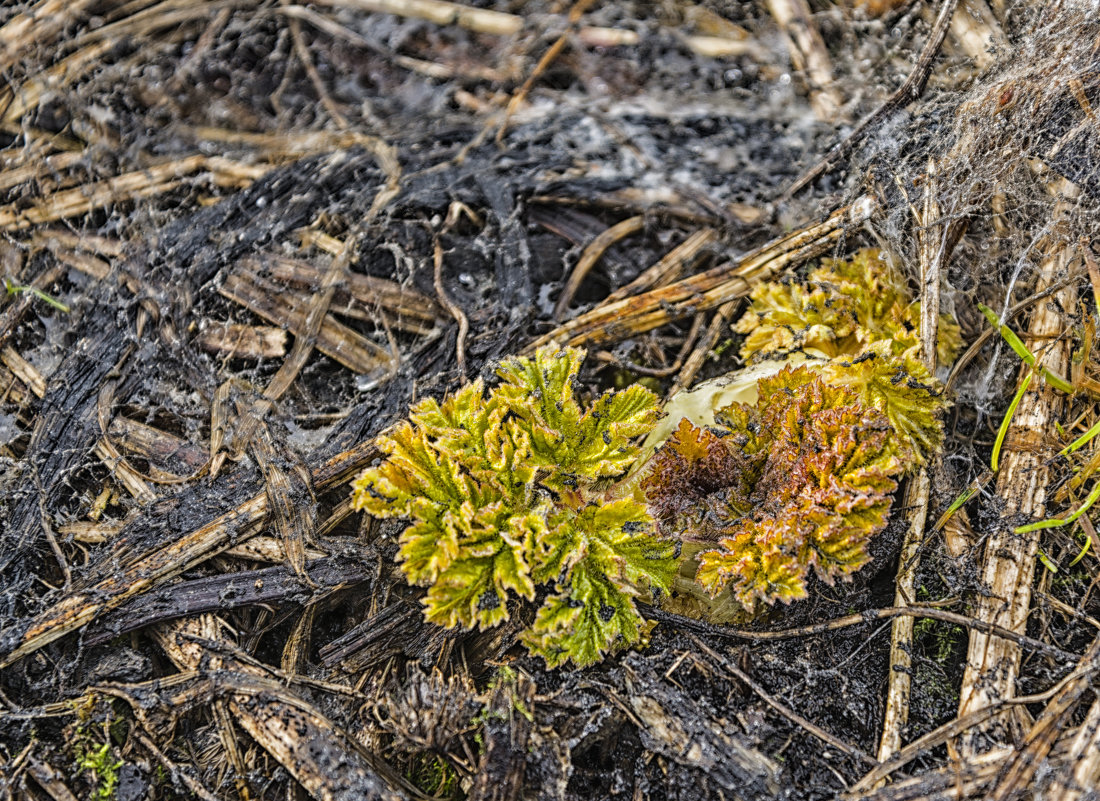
801	481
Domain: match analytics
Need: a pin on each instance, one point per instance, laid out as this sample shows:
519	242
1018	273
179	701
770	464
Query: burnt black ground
653	117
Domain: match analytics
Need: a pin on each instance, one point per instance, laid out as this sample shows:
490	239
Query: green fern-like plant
797	476
519	493
855	321
844	306
505	493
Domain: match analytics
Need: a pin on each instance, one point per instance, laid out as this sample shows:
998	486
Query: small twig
906	93
591	255
668	267
953	729
782	708
444	299
1030	755
47	529
1066	609
575	14
174	770
192	60
302	51
870	616
694	362
658	372
932	237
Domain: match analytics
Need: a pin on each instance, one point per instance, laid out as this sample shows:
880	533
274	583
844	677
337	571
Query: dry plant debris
239	240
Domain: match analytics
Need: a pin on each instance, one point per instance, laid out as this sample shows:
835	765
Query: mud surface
149	654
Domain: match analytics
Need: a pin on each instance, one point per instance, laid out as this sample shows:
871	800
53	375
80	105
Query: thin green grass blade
1085	550
1049	565
1081	441
13	289
1021	350
1057	522
973	489
995	458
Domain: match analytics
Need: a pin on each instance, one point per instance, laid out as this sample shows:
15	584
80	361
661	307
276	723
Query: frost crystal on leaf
503	492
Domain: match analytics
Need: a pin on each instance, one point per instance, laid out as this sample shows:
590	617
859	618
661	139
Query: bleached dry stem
1008	564
1082	762
499	23
931	236
296	734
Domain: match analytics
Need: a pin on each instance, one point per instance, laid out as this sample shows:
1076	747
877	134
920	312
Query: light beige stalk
1008	565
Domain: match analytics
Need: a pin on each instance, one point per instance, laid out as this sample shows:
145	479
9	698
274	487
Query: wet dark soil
383	133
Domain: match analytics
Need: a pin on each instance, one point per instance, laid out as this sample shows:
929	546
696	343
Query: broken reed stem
1008	563
901	629
290	309
1031	754
591	256
498	23
694	362
932	239
440	13
668	268
36	26
1080	771
977	33
294	732
16	101
611	322
153	567
127	187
